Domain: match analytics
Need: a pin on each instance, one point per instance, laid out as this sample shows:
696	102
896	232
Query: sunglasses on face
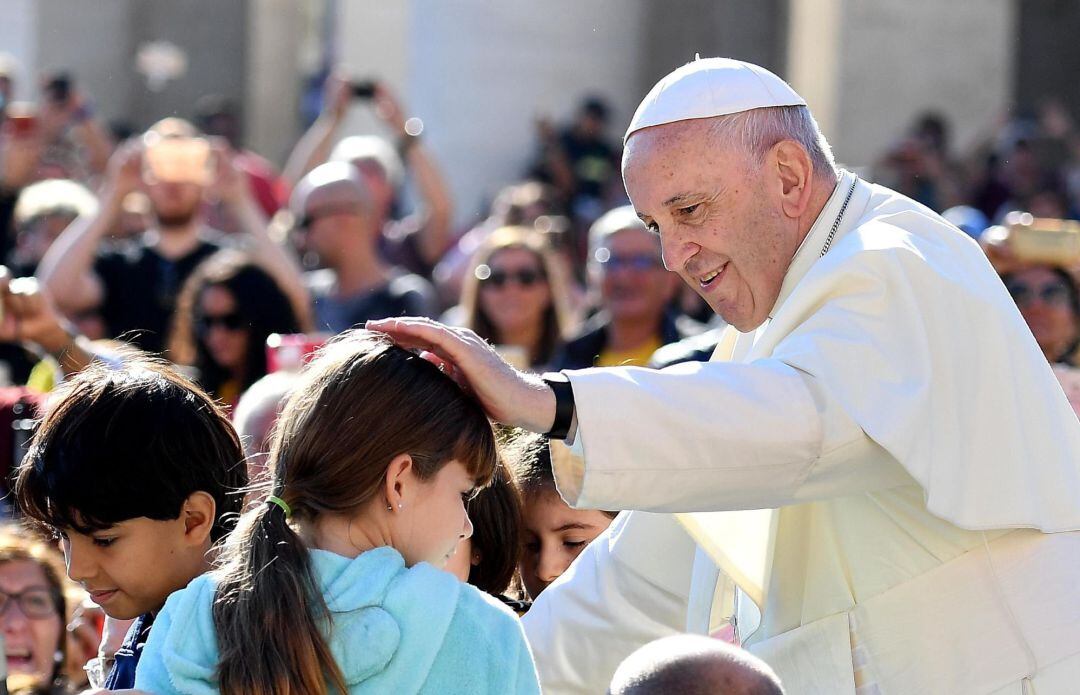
310	217
230	322
494	277
1053	294
639	261
35	602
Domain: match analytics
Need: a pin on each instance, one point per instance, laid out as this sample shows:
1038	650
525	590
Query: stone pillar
272	90
868	67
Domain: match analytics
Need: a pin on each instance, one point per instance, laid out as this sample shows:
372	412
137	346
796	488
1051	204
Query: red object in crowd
292	351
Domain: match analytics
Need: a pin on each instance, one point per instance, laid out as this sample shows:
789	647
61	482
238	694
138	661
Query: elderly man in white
878	400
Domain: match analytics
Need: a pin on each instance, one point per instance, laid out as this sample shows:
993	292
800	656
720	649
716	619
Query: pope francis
878	454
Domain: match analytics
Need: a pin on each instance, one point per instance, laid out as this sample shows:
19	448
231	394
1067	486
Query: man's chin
741	322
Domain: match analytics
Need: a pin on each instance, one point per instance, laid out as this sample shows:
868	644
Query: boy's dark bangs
55	503
73	488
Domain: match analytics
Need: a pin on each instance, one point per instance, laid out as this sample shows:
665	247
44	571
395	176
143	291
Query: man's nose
467	529
675	250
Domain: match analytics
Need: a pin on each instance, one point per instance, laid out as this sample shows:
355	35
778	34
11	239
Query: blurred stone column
868	67
272	90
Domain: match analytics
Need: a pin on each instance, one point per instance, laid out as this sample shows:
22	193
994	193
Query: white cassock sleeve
712	437
628	587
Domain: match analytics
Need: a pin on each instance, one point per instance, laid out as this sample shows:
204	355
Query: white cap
709	87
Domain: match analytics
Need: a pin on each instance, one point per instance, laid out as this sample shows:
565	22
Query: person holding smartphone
416	241
136	287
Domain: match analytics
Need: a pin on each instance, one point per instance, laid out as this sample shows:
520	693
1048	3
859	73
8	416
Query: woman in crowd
1045	291
1047	294
33	610
225	312
333	582
554	533
517	297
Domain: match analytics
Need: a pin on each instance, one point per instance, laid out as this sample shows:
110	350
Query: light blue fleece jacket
394	630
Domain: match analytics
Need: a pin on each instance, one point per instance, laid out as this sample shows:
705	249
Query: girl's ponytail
268	633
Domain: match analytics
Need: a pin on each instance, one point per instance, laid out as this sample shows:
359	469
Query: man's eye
653	227
689	209
104	542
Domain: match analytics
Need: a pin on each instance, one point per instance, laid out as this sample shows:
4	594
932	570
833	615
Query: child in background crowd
332	582
137	471
489	559
554	533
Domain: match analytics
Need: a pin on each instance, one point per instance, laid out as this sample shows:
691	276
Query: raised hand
123	175
388	108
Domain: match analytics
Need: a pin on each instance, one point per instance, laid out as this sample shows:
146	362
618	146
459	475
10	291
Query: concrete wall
95	43
480	73
18	39
1048	55
751	30
272	89
876	64
212	35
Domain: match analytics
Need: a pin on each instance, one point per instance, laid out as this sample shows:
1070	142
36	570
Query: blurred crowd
178	241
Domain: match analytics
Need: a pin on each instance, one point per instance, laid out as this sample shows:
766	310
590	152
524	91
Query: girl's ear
399	482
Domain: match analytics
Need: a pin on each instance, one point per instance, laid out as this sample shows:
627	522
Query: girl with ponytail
335	583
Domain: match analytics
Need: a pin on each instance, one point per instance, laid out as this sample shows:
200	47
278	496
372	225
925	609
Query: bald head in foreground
693	665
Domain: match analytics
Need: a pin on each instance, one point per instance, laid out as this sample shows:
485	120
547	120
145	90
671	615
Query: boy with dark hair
138	472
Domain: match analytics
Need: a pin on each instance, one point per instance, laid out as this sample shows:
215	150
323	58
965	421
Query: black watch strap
564	404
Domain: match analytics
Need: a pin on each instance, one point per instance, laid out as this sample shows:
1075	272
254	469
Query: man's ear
199	513
399	481
795	174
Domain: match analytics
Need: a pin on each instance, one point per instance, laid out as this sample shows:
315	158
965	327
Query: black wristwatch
564	404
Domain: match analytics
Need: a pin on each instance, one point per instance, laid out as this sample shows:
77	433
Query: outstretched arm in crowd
234	192
28	316
314	146
438	207
66	271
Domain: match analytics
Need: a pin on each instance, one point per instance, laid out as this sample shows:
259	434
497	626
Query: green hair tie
272	499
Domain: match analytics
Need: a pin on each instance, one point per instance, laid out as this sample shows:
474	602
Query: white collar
820	234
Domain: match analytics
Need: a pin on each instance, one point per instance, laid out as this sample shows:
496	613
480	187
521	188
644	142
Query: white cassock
920	460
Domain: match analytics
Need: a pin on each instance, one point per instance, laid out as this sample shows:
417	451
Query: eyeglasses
35	602
526	277
1053	294
230	322
638	261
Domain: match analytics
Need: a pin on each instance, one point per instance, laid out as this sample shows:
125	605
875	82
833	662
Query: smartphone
363	89
1046	241
178	160
23	118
